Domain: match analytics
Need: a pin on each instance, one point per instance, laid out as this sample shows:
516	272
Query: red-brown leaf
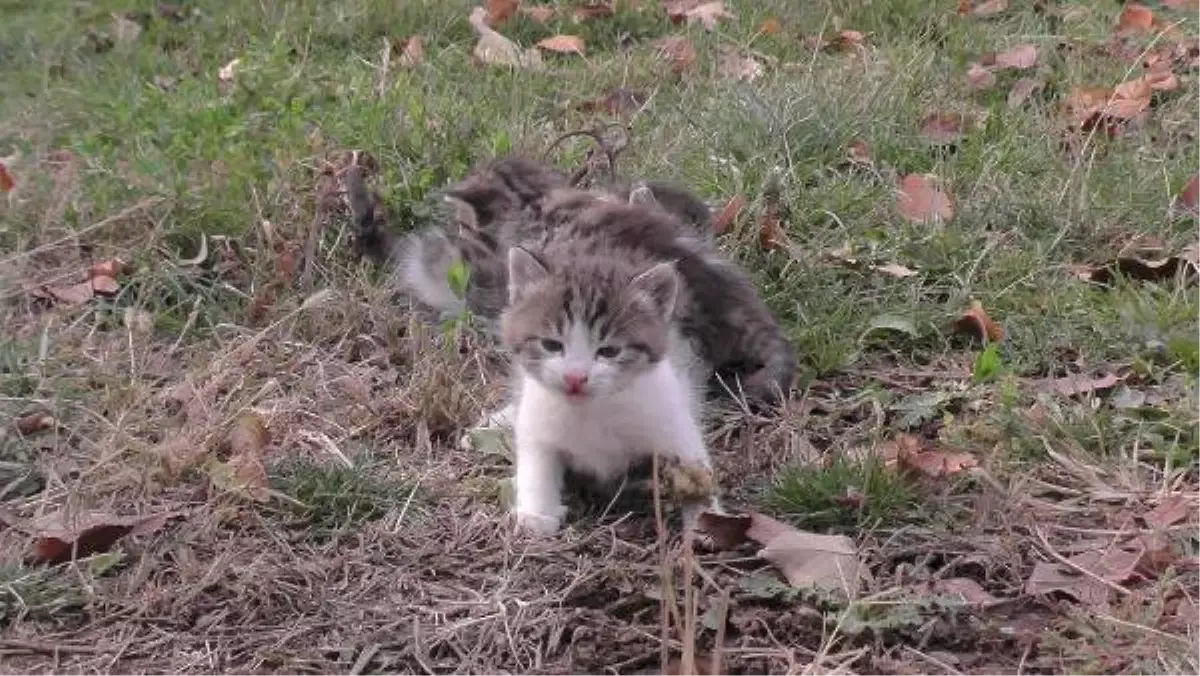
725	219
499	11
976	322
563	44
6	179
920	202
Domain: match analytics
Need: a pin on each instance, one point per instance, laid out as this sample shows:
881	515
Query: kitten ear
641	194
464	214
524	270
659	286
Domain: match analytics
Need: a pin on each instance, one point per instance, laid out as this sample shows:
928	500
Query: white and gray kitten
603	376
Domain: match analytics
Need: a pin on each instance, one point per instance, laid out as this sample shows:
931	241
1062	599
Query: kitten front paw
537	525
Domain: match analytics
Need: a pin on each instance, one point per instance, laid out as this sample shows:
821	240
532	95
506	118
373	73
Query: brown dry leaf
738	67
983	9
1022	57
705	665
110	268
725	218
908	453
32	423
245	473
563	44
105	285
6	178
979	77
1069	386
708	14
970	591
678	50
618	102
58	539
920	202
1185	263
844	41
894	270
1021	91
725	531
976	322
73	294
539	13
227	72
412	51
1135	18
859	153
943	128
770	26
1047	577
494	49
1188	201
1171	510
594	10
499	11
807	559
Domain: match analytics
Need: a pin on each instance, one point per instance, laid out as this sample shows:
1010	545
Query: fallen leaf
807	559
770	26
728	214
1157	270
124	29
538	13
859	153
678	50
738	67
1135	18
412	52
844	41
244	473
893	323
970	591
725	531
1170	511
906	452
771	234
228	71
894	270
705	665
979	77
976	322
1048	577
595	10
6	179
1022	57
32	423
1072	385
918	201
494	49
73	294
618	102
105	285
563	44
1188	201
1021	91
983	9
499	11
707	14
943	128
58	539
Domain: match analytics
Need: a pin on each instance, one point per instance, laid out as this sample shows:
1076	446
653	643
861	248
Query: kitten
490	212
603	376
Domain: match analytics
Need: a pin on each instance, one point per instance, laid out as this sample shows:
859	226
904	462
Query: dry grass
384	546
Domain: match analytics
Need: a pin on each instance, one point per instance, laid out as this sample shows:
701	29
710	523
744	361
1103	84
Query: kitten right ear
642	194
659	285
524	270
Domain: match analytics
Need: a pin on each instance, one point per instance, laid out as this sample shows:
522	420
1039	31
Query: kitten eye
551	345
608	352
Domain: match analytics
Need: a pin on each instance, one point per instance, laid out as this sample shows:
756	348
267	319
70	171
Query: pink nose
574	382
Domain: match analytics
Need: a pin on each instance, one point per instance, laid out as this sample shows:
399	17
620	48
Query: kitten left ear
524	270
641	194
659	285
464	214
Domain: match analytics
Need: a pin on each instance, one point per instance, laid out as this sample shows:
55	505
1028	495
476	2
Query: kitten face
589	329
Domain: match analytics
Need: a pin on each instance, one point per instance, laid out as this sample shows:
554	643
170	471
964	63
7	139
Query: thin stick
1076	567
664	628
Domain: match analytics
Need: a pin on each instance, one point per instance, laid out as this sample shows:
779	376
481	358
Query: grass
135	150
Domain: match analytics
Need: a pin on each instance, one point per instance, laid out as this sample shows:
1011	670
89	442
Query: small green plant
36	593
988	365
844	493
331	498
